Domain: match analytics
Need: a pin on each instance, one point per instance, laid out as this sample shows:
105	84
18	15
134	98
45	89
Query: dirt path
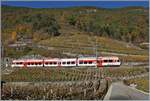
119	91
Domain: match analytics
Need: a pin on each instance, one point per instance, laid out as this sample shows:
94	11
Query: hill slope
75	30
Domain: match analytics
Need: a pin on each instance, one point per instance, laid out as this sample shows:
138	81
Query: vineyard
65	90
125	73
69	74
51	74
63	83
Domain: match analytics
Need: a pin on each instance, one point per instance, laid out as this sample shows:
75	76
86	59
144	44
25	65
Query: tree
53	27
72	20
47	24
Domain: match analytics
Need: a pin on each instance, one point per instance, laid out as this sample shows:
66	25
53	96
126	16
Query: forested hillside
128	24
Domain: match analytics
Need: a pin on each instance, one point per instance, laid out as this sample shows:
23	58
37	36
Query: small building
18	45
21	44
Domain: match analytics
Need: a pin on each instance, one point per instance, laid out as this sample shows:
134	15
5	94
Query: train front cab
108	62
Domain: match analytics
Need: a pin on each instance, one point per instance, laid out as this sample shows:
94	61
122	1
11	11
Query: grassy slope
142	83
84	44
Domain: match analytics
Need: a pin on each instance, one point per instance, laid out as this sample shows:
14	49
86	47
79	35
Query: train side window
19	63
55	63
105	60
68	62
28	63
46	63
36	63
40	63
50	63
85	62
81	62
117	60
110	61
72	62
64	63
90	62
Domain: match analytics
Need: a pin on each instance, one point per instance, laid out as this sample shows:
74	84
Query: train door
43	63
24	64
76	62
59	63
99	63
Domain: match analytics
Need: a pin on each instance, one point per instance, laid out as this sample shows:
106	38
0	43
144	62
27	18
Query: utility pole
97	62
2	51
96	50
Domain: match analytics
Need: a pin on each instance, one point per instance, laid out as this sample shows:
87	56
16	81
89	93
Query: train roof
25	60
108	57
56	59
18	60
87	58
69	59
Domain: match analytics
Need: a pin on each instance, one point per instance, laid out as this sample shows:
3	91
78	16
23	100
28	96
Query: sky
64	4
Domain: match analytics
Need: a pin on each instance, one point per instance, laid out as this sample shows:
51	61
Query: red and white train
68	62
